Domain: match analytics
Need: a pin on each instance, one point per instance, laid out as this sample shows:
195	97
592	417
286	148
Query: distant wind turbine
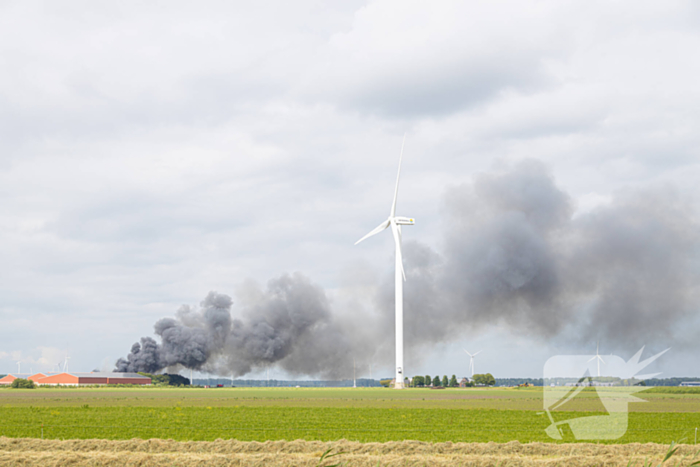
598	357
19	367
471	360
395	223
354	378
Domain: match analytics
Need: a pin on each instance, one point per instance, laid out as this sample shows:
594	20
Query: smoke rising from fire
513	254
290	323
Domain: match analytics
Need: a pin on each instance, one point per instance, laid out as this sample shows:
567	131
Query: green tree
453	381
21	383
385	382
445	381
436	382
485	379
428	380
418	382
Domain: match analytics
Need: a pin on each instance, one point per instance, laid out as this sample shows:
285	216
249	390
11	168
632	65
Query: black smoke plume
515	254
289	323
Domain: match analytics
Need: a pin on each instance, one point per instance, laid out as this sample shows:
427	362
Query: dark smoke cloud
634	265
502	247
189	340
289	321
288	324
513	255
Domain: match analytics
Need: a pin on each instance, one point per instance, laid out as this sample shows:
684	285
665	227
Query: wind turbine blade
467	352
592	359
398	175
378	229
478	353
601	359
397	239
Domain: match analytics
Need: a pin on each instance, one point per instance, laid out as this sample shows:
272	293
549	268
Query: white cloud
406	60
150	153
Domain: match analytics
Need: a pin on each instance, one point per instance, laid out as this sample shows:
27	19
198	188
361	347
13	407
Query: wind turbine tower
19	367
395	222
354	378
471	360
598	358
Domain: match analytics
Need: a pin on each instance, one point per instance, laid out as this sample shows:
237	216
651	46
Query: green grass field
469	415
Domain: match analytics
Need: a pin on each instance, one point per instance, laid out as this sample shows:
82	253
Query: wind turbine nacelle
404	220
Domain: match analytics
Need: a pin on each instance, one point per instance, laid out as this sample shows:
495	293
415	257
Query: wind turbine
598	357
354	379
19	367
395	222
65	363
471	359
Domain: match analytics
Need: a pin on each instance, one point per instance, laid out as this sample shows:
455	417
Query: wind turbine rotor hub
404	221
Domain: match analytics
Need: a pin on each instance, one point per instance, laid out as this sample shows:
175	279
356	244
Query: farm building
79	379
13	376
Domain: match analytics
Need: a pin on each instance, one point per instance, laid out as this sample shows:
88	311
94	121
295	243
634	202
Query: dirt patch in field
147	453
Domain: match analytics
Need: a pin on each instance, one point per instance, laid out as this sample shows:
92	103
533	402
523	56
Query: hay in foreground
155	452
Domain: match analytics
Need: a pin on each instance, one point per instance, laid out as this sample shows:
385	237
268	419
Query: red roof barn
78	379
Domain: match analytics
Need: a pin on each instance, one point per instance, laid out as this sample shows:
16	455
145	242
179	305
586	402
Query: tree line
426	381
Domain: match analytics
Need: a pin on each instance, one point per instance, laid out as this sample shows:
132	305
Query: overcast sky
151	153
